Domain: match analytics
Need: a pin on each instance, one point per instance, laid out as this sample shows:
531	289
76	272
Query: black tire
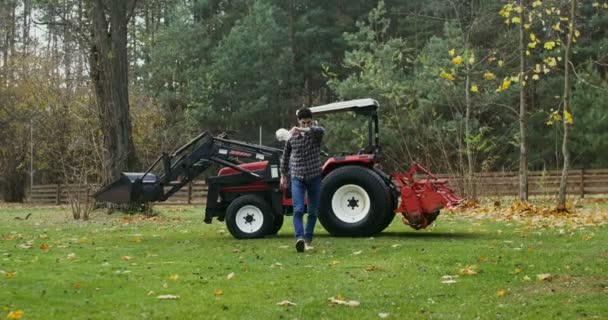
249	217
342	192
277	224
389	216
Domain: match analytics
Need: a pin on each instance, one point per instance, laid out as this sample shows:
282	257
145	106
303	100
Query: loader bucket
130	187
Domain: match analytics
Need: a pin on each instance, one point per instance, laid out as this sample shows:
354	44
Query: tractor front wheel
249	217
354	202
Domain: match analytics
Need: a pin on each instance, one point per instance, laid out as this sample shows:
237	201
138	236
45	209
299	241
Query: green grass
406	281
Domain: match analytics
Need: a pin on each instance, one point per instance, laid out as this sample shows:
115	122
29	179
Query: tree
110	73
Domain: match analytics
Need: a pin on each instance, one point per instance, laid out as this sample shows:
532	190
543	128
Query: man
301	161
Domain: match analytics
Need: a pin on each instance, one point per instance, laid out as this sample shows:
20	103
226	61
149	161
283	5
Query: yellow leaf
469	270
536	3
549	45
10	275
457	60
334	262
527	26
500	63
568	117
532	37
447	76
577	33
537	68
517	270
527	52
544	277
136	239
44	246
489	76
286	303
167	297
218	292
126	258
549	123
506	83
595	4
501	293
452	52
515	20
372	268
532	45
15	315
474	88
535	77
174	277
556	27
550	61
472	60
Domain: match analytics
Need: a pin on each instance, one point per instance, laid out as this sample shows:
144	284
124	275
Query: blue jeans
298	188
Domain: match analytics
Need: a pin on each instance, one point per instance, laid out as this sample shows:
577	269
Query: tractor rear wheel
354	202
249	217
277	224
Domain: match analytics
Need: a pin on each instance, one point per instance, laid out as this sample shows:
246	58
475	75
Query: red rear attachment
422	199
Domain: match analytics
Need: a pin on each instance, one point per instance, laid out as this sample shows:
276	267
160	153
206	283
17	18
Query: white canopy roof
350	105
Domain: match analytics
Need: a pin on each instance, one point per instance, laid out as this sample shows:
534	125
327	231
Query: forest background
89	88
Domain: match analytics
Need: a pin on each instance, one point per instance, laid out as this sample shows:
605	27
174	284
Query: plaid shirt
301	156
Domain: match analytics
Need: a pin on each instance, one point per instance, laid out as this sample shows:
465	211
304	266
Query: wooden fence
193	193
580	182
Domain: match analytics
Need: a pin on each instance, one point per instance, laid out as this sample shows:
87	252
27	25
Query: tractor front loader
357	197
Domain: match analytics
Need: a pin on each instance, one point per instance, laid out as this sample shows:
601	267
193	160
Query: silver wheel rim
249	219
350	203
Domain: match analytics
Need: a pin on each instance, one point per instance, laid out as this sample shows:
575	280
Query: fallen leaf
286	303
448	279
349	303
501	293
334	262
151	293
527	278
276	265
15	315
469	270
174	277
383	315
218	292
10	275
77	285
544	277
126	258
236	250
372	268
44	246
230	275
167	297
357	253
136	239
72	256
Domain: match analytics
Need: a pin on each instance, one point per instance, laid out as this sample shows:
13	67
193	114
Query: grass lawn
116	266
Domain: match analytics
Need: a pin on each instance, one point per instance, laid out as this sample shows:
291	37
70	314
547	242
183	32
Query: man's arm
285	159
317	133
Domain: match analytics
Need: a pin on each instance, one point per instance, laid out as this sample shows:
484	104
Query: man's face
305	123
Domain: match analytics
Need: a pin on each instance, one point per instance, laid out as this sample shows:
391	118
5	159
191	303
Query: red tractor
357	198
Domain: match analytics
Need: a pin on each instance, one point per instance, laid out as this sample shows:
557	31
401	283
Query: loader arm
185	164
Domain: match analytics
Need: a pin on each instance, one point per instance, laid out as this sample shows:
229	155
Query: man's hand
284	182
294	130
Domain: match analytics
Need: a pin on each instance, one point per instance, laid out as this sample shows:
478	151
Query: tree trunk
467	124
523	126
109	73
563	184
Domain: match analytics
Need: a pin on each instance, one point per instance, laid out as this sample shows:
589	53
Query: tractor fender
364	160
